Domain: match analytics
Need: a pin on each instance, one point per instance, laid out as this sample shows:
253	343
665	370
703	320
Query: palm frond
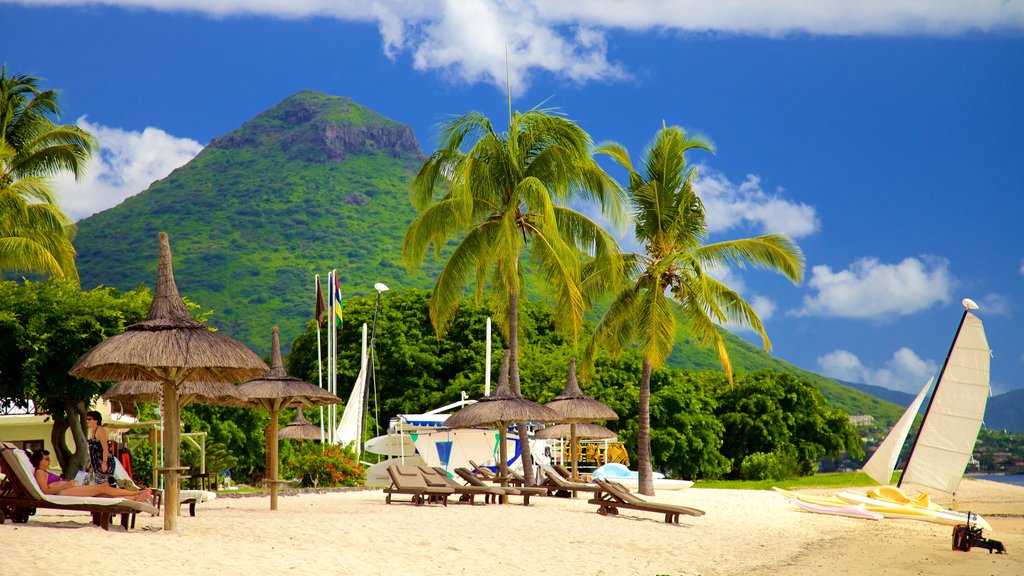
772	252
465	260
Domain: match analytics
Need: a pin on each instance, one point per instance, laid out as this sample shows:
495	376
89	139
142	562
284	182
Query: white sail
883	462
951	426
348	429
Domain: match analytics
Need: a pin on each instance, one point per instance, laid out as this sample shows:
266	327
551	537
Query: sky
883	136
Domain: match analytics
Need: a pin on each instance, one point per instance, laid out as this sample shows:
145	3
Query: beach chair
482	472
524	491
190	497
20	496
559	486
612	496
437	476
407	479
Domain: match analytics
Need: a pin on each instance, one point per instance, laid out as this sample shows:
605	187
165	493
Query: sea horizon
1013	479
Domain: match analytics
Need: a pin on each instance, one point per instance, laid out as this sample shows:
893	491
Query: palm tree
35	235
670	280
505	197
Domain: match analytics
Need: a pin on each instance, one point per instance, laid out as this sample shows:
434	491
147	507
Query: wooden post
172	441
272	452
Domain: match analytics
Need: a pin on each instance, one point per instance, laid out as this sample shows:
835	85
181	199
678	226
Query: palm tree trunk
513	345
646	480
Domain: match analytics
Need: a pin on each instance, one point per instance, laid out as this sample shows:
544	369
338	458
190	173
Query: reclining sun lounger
407	479
20	495
190	497
524	491
613	496
482	472
558	486
437	476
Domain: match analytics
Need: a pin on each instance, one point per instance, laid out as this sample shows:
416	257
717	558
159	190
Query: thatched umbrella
575	407
214	393
583	432
299	429
276	390
171	348
501	409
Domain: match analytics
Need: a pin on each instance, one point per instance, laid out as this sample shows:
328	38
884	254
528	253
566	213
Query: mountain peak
315	127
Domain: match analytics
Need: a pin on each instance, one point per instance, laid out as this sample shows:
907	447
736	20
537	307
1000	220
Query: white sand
743	532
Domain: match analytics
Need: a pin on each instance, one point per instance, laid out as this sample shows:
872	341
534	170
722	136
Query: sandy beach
743	532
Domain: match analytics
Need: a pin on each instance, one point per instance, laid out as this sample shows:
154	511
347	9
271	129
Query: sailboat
951	422
943	446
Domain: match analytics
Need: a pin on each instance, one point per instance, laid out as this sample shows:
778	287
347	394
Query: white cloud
730	205
1022	267
467	38
905	371
128	162
995	305
871	289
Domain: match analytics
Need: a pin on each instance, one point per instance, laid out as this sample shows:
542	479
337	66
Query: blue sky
885	137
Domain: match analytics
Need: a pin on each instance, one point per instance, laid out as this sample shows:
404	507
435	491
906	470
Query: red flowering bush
324	466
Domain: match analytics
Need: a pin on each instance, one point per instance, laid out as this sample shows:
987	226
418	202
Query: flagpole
330	354
334	330
319	358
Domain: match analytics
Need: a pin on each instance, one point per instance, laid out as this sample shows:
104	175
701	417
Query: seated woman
53	484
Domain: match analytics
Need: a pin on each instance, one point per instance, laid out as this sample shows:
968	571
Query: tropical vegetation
44	328
504	196
673	279
35	235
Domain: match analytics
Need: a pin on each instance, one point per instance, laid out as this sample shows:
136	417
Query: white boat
631	478
951	422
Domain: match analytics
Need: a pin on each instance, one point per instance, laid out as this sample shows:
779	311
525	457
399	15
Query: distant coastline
1013	479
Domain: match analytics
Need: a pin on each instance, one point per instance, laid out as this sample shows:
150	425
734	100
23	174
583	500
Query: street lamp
381	288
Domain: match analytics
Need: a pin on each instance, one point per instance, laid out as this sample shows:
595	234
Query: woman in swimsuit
53	484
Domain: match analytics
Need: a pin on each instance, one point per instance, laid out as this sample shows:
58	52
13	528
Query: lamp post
381	288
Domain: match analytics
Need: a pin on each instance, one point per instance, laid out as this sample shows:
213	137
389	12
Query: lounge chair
407	479
482	472
567	474
558	486
20	495
437	476
524	491
613	496
190	497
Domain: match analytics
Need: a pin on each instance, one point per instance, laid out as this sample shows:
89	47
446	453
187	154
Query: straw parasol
214	393
171	348
501	409
299	429
583	432
575	407
276	390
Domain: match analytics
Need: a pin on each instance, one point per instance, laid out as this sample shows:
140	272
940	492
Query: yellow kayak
894	495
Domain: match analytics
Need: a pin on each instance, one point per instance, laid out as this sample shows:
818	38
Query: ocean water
1015	479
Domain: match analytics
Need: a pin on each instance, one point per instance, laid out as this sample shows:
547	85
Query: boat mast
968	306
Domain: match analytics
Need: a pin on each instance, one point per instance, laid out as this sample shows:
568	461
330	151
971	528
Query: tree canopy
44	328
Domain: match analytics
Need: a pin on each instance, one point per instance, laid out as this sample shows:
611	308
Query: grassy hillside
314	183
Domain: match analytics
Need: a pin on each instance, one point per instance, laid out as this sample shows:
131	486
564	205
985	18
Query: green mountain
314	183
317	182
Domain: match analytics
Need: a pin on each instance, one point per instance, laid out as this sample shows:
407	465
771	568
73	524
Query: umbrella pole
503	463
272	450
574	443
172	439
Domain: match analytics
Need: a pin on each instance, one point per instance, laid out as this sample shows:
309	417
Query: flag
321	307
339	303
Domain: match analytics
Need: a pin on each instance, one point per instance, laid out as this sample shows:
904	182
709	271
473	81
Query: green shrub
324	466
762	466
